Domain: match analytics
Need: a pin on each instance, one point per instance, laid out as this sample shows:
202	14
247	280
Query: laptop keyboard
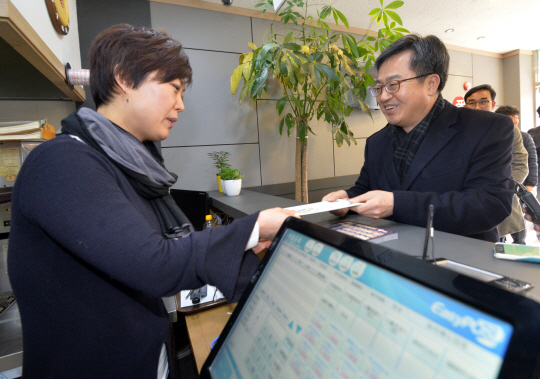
6	299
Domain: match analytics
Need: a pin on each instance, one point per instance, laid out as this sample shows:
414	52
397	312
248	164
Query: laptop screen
318	312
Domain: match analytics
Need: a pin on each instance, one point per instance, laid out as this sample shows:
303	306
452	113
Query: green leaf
353	47
292	46
259	83
342	18
326	71
281	126
374	11
335	16
316	77
394	16
401	30
265	49
259	5
394	5
381	1
287	38
325	12
281	104
324	25
294	19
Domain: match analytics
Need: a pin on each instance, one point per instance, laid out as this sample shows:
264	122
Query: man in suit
532	173
432	152
482	97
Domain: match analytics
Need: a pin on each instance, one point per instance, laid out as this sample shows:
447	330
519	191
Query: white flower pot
232	187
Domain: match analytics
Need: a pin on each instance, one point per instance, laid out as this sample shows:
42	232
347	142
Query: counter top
410	240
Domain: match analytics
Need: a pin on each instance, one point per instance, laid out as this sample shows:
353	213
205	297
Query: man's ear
433	83
493	105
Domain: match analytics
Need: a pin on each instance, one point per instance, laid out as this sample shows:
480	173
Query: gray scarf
141	162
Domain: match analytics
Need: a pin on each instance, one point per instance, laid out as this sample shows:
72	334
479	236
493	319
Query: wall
94	16
519	87
214	121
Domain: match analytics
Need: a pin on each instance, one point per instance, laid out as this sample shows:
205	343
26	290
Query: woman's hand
270	221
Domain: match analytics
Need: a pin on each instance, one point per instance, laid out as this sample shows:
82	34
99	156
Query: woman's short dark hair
507	110
133	53
429	56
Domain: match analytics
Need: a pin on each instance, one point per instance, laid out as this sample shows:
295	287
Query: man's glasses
481	104
391	87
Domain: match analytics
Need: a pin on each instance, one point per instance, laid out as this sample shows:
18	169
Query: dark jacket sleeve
74	195
532	178
361	185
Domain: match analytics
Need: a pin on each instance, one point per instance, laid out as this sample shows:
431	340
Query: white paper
210	292
323	206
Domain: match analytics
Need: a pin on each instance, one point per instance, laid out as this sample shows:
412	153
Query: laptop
326	305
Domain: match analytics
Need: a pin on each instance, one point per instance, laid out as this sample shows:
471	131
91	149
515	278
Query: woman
96	240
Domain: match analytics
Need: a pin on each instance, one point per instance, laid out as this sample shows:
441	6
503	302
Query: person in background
532	179
432	152
96	240
483	98
535	134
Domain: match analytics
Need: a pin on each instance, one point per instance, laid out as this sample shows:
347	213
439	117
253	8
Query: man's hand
270	221
529	218
529	188
376	204
333	196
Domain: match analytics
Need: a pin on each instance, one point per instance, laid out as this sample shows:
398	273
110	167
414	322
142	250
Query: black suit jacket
461	167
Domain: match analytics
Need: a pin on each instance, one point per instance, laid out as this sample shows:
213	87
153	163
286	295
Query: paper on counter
212	294
323	206
522	258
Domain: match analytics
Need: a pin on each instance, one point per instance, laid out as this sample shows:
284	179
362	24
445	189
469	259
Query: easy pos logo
486	333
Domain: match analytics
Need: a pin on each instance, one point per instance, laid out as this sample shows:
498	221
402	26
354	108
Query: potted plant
232	181
220	161
313	63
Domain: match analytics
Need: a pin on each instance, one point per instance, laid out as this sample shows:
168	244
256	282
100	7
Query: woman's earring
127	99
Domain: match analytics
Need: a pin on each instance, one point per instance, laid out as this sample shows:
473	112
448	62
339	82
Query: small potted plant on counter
232	181
220	161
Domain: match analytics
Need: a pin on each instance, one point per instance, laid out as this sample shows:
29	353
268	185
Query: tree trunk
301	185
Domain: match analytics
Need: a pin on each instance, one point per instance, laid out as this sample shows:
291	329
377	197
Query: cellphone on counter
515	252
498	280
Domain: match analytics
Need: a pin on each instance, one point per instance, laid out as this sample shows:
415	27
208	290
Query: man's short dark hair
429	56
508	110
133	53
482	87
538	111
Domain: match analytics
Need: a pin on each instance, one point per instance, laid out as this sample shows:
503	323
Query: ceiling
507	24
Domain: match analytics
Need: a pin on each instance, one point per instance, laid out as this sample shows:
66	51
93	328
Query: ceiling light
481	37
449	31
